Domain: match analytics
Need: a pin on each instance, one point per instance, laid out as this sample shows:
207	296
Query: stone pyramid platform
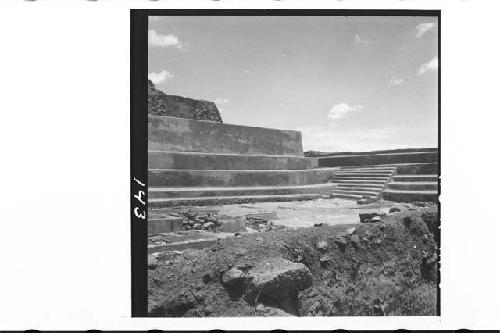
193	162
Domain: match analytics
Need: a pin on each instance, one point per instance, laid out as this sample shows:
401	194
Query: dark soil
383	268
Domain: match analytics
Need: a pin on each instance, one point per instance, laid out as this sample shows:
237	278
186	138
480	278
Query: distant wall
312	153
183	135
374	159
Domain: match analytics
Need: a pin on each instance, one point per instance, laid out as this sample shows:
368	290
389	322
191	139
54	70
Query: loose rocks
341	242
268	311
233	276
322	246
355	239
208	225
325	260
350	231
152	262
369	217
278	278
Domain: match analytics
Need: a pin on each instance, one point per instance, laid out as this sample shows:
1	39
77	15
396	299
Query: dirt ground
385	267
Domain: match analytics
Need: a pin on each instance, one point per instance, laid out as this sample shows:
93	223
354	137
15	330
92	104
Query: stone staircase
194	162
413	187
362	183
403	175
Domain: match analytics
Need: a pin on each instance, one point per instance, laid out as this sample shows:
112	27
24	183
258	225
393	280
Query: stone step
402	168
418	168
178	134
388	167
415	178
197	192
161	225
413	186
377	159
213	201
363	174
208	161
347	196
358	192
356	178
366	172
361	181
361	185
229	178
410	196
360	188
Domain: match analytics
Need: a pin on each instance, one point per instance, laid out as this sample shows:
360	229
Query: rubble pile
386	265
161	104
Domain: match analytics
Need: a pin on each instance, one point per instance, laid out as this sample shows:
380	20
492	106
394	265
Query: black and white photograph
236	165
293	164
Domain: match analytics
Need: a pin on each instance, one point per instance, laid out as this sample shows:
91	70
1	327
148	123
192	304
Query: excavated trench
387	266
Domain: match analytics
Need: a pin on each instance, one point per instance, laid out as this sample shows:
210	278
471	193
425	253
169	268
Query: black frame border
138	159
139	127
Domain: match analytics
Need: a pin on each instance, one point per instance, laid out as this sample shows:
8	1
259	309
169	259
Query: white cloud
428	66
158	39
359	40
330	138
160	76
339	111
247	71
396	81
422	28
222	101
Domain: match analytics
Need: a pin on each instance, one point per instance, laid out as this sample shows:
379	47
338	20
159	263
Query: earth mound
161	104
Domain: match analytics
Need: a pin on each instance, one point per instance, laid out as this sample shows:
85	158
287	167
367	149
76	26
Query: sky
347	83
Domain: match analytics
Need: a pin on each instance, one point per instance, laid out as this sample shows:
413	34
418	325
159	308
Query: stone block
162	225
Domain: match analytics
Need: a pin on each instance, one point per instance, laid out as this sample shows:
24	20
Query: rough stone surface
367	217
208	225
279	278
233	276
152	262
268	311
394	210
177	305
341	242
350	231
322	245
355	239
161	104
325	260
